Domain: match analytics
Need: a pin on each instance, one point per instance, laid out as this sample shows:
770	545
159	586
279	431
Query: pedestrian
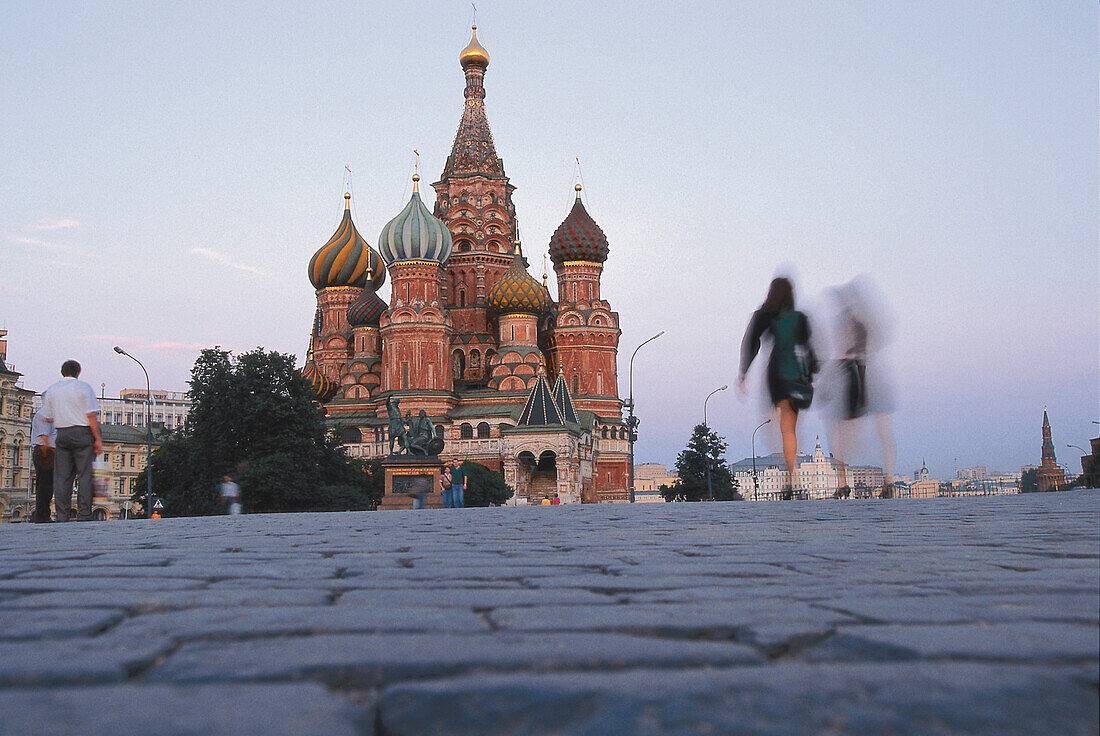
791	365
445	487
555	501
71	405
231	495
459	476
43	439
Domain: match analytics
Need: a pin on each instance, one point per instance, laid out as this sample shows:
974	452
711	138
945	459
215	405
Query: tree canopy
705	449
252	418
485	487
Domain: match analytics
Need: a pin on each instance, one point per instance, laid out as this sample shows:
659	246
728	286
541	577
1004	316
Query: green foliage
252	417
705	450
1029	481
485	487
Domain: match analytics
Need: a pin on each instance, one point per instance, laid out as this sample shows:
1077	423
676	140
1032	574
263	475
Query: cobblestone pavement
945	616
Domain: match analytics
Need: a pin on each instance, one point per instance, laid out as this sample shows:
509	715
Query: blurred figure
858	384
44	437
791	365
231	495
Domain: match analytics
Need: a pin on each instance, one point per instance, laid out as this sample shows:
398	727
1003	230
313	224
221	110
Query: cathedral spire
473	151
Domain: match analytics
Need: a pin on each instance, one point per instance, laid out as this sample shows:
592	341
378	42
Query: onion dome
367	309
578	238
415	234
320	387
474	53
518	291
346	258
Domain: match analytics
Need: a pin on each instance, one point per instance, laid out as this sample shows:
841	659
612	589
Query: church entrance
544	478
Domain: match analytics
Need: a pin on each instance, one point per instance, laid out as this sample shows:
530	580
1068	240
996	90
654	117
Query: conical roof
517	291
345	259
540	409
578	238
415	234
564	401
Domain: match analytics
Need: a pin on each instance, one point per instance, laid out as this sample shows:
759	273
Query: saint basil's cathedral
512	379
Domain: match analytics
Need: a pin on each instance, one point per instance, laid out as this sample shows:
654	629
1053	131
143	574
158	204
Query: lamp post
631	420
706	456
148	435
755	485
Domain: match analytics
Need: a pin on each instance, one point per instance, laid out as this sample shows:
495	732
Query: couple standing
66	441
453	482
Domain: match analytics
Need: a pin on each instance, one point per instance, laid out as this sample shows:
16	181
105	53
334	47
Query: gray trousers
73	458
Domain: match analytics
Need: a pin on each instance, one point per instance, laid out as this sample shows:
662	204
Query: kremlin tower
468	335
1049	476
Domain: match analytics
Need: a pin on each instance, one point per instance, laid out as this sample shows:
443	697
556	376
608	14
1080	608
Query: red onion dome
578	238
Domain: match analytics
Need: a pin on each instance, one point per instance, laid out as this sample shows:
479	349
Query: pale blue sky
167	170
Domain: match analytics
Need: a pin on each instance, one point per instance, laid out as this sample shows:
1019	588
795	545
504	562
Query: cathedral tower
1050	475
415	330
520	302
585	335
474	200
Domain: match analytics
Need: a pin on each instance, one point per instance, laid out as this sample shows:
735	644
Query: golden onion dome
518	292
321	388
474	53
346	258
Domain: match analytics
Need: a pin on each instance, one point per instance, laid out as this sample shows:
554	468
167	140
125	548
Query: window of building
131	459
466	431
483	430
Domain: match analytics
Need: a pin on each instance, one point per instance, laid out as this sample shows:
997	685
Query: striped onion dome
415	234
345	259
578	238
366	310
518	292
320	387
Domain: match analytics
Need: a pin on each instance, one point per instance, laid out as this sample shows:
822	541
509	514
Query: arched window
475	361
458	363
351	435
466	431
483	430
462	298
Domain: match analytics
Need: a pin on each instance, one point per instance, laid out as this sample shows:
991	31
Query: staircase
544	484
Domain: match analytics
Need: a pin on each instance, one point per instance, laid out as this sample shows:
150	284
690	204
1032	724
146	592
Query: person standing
445	487
71	405
231	495
791	365
43	439
459	476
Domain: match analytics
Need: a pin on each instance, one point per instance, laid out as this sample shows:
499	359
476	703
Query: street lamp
148	435
710	491
631	420
755	485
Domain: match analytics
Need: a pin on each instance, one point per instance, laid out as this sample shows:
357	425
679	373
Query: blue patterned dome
415	234
366	310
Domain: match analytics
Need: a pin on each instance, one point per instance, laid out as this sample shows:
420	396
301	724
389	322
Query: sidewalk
938	616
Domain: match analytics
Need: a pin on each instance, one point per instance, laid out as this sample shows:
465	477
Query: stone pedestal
410	475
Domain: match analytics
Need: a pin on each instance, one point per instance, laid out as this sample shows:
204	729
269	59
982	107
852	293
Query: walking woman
790	367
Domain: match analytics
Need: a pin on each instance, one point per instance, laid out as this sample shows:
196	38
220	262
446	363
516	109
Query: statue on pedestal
412	436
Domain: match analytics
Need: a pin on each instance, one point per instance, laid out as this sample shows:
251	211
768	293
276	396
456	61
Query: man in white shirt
43	438
72	407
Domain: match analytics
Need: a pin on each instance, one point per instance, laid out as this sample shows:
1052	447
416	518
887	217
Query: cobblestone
942	616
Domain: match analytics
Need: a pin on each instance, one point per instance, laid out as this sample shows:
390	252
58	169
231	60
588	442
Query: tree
1029	481
705	449
252	417
484	486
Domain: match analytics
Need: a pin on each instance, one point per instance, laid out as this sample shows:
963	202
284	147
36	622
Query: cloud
224	260
139	344
60	223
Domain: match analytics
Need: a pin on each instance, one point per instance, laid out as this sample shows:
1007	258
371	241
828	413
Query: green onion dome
578	238
518	292
320	387
367	309
415	234
346	258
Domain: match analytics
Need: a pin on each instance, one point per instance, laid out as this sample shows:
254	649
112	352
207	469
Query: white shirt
39	427
68	403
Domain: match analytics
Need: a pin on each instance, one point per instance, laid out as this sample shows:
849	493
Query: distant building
1049	476
924	485
648	479
866	476
124	450
976	473
817	475
168	408
15	441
